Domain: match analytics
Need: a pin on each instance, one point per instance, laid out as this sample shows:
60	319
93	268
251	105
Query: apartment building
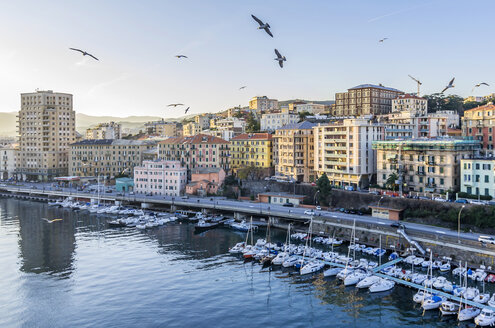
263	103
271	121
364	99
251	149
203	120
46	129
196	151
164	128
109	130
479	123
191	129
301	106
8	155
107	157
413	104
343	151
293	150
478	176
424	165
406	125
166	178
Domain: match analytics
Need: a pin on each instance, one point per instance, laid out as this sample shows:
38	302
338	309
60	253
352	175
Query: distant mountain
321	102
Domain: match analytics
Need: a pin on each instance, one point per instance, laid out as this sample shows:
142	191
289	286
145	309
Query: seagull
51	221
243	87
383	39
451	85
280	58
181	56
263	26
187	109
84	53
175	105
479	85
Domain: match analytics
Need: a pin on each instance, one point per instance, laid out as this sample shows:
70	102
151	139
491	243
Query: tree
302	115
230	181
324	187
438	101
252	124
392	181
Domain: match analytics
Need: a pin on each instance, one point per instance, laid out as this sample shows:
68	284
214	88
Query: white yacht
432	302
468	313
311	267
485	318
491	302
332	272
420	296
449	308
382	285
355	277
470	293
290	262
481	298
368	281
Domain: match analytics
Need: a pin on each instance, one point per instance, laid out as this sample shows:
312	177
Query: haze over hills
135	122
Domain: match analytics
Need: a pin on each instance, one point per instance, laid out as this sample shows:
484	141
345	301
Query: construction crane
418	82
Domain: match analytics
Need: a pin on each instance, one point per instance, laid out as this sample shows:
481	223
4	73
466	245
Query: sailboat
282	256
314	265
467	313
249	250
268	256
433	301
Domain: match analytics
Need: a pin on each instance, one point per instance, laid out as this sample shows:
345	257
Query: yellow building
251	149
191	129
293	150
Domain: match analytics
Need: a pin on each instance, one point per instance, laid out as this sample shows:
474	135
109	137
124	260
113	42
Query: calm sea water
79	273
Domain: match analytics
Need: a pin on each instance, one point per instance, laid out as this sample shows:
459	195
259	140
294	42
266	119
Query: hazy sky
330	46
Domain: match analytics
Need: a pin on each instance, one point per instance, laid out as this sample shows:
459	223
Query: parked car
313	184
267	179
318	208
477	202
309	212
374	192
288	205
439	199
131	193
487	239
108	191
461	201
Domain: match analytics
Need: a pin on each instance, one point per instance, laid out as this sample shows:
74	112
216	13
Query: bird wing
278	53
93	56
452	81
484	83
281	63
444	89
75	49
257	19
267	30
242	87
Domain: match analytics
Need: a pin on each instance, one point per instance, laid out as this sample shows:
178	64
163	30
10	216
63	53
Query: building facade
166	178
105	157
293	146
343	150
415	105
479	123
364	99
205	181
8	155
251	149
164	128
263	103
272	121
46	128
196	151
478	176
110	130
203	120
191	129
423	165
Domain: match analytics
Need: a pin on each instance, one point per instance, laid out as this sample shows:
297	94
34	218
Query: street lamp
459	223
314	198
380	201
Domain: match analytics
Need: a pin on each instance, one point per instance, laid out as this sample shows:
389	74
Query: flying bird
181	56
263	26
280	58
450	85
84	53
243	87
479	85
382	40
51	221
187	109
175	105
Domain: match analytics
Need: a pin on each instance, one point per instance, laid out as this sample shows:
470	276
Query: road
253	208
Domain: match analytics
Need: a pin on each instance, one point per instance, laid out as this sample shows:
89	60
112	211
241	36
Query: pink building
161	177
205	180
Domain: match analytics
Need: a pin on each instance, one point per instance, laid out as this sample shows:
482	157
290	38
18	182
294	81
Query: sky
330	46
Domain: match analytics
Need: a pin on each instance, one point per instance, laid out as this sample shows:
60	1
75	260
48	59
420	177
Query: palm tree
391	181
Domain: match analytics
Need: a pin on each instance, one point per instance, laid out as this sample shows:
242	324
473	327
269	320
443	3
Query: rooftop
253	136
116	142
484	107
197	139
300	126
410	96
204	170
362	86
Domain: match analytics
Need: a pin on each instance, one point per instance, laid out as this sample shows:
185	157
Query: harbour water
77	272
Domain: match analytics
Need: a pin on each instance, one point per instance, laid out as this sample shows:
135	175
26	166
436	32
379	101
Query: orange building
205	181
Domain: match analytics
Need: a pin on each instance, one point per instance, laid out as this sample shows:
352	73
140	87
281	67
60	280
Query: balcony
421	173
393	160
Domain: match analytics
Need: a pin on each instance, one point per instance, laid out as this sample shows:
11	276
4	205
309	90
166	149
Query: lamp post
380	201
459	224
